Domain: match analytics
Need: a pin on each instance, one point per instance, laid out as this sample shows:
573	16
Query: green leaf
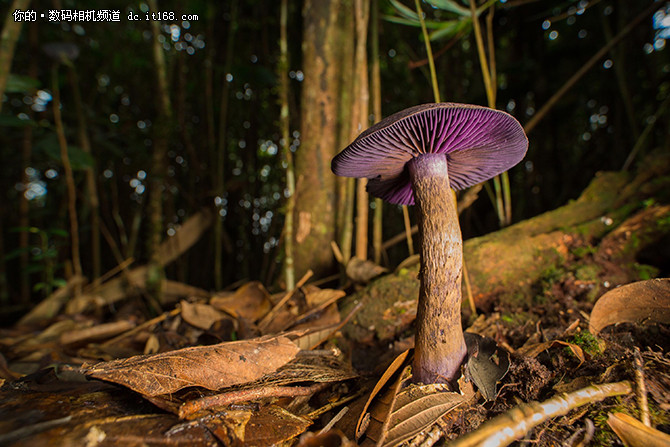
79	159
21	84
405	11
13	121
450	29
450	6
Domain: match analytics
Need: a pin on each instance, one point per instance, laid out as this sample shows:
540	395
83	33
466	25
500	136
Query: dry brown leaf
273	425
634	433
212	367
416	408
200	315
638	303
376	426
362	271
535	349
315	296
251	301
390	371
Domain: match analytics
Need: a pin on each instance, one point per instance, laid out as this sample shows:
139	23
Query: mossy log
616	232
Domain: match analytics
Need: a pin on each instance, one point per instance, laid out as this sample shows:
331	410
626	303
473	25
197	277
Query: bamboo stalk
155	271
91	187
376	88
431	62
220	164
362	98
69	177
284	123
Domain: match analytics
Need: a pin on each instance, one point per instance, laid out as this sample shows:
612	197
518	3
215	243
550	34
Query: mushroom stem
439	346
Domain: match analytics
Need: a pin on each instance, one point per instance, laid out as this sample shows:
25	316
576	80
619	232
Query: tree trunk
8	38
324	43
155	271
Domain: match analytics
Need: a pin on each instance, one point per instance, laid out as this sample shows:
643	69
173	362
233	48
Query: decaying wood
595	239
118	288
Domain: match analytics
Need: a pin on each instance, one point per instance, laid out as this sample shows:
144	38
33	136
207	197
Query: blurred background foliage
539	45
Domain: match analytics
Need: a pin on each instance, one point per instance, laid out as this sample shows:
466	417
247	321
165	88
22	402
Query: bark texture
324	43
439	347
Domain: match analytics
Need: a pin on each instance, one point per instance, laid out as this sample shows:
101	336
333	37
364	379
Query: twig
645	133
506	428
468	289
29	430
268	318
341	325
586	67
334	420
146	324
641	388
409	229
218	400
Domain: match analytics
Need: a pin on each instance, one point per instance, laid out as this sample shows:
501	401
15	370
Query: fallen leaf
362	271
535	349
376	423
212	367
200	315
250	301
417	407
273	425
487	363
634	433
315	296
388	374
637	303
405	409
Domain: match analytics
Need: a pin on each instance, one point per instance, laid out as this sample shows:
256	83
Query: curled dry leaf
634	433
404	410
487	363
251	301
200	315
534	349
212	367
637	303
392	369
362	271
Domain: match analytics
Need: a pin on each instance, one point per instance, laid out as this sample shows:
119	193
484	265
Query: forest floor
561	356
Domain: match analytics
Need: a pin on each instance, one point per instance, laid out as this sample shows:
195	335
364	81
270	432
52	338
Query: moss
583	250
587	272
588	342
644	271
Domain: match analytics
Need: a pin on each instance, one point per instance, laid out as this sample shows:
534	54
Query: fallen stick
512	425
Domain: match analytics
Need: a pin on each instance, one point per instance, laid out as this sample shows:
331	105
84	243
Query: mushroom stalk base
439	347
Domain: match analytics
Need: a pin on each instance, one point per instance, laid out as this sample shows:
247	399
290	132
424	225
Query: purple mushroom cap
479	144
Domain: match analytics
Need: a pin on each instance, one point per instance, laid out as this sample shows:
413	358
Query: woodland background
161	120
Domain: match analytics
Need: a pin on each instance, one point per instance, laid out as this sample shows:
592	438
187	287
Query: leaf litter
250	368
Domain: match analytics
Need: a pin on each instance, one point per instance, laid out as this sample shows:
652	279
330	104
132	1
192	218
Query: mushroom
417	156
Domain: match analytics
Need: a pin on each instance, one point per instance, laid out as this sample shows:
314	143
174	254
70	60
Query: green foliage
588	342
21	84
79	159
43	256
